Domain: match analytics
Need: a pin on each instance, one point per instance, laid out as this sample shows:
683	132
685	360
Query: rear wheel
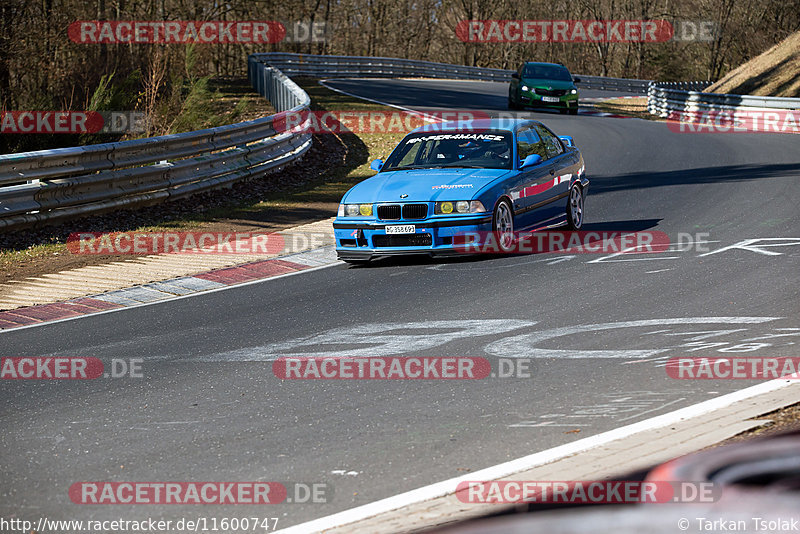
575	208
503	225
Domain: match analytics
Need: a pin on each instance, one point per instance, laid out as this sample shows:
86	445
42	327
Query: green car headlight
573	91
460	206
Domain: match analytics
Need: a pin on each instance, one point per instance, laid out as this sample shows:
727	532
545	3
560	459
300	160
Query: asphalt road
209	408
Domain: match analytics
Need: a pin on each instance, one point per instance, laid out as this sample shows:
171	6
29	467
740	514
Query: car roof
543	63
498	123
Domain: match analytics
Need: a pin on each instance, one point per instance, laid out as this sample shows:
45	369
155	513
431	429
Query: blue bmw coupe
493	178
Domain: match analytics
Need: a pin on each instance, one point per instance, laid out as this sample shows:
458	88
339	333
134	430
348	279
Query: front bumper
363	240
532	99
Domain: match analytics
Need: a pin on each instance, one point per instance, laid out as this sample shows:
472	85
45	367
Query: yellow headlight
447	207
365	209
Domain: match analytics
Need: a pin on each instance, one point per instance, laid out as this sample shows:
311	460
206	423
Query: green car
543	85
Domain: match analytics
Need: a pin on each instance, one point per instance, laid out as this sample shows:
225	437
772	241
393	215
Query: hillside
776	72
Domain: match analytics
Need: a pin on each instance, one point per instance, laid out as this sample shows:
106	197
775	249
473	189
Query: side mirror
515	75
376	165
576	80
567	140
533	159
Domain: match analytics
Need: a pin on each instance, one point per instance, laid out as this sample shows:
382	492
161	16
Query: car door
565	163
529	188
559	165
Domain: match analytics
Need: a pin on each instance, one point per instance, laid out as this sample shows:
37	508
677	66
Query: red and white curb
168	289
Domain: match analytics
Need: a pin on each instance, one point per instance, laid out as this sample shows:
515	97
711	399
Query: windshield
546	72
427	150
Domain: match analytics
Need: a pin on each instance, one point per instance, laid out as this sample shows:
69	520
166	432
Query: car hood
544	84
423	185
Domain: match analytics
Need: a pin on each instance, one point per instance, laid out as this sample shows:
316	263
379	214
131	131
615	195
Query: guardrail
387	67
683	100
52	185
49	186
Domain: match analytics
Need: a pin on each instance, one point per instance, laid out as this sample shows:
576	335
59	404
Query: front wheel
503	225
575	208
511	105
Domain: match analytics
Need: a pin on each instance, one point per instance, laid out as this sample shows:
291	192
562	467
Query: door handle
552	171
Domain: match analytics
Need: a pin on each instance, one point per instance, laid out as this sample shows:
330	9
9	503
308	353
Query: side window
528	143
550	141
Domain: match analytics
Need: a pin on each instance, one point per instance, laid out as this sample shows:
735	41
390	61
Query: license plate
404	229
550	99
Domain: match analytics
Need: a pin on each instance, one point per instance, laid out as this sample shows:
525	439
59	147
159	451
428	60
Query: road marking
749	244
373	340
345	472
652	409
628	251
447	487
523	346
558	260
534	424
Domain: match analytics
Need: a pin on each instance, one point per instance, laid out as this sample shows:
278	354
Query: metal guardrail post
685	99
